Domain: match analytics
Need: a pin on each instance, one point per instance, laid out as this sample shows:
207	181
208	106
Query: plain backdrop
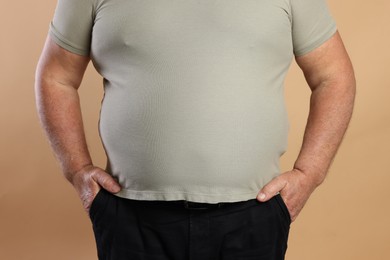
346	218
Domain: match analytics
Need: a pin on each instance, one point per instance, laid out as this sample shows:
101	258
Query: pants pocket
283	207
97	203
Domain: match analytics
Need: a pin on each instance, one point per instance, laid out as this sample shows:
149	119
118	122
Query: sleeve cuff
328	33
64	43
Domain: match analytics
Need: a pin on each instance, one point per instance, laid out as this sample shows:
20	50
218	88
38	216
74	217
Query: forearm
60	114
331	106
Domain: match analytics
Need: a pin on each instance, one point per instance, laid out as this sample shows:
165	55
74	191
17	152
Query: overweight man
193	120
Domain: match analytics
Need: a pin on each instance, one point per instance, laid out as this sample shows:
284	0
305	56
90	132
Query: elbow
347	85
41	83
342	84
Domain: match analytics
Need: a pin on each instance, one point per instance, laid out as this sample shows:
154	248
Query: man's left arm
329	74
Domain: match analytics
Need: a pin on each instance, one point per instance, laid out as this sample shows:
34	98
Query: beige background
348	217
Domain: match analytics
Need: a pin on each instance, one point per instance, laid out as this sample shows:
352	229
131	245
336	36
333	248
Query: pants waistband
191	205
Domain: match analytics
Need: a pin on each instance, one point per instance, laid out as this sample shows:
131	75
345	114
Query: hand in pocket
88	183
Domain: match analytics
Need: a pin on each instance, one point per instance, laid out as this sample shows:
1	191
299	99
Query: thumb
106	181
271	188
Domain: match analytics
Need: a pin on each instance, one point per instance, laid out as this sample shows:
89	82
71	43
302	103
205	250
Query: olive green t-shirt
193	105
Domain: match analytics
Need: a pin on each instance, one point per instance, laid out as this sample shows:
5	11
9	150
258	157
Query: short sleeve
71	26
312	25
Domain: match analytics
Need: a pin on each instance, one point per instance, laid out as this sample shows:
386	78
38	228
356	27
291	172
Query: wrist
74	172
313	178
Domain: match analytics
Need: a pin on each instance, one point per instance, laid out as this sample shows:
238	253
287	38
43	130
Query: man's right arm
58	76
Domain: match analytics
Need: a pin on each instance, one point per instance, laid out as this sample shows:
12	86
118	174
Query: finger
271	188
106	181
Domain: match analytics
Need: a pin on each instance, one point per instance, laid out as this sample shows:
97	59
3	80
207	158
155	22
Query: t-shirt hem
195	197
61	41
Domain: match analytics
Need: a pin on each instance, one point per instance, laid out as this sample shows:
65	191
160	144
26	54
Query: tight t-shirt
193	105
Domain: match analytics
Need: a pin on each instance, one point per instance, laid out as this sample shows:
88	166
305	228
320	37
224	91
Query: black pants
128	229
